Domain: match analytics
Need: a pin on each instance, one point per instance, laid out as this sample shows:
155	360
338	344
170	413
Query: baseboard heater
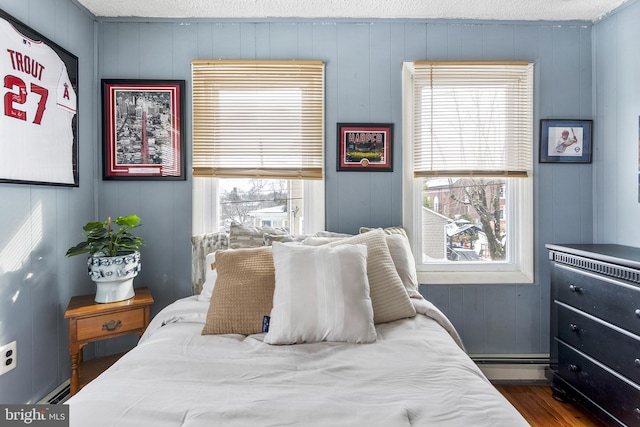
513	367
58	396
510	360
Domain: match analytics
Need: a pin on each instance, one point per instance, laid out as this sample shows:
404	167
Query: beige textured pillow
243	293
387	230
389	297
400	249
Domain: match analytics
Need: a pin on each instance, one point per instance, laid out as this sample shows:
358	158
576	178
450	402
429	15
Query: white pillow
321	294
210	278
389	297
405	263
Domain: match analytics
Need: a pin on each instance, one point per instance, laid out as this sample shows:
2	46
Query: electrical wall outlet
8	357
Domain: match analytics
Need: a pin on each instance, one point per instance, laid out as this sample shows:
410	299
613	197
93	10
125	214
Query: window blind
472	119
262	119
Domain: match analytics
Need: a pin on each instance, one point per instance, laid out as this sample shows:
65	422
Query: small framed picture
143	129
365	147
566	141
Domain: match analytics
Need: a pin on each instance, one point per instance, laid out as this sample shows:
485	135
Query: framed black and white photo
39	124
143	129
565	141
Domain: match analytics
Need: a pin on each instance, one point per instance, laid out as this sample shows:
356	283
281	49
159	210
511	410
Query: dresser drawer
597	339
617	396
90	328
608	299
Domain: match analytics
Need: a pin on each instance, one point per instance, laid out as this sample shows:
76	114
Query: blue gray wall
617	92
363	84
39	223
363	68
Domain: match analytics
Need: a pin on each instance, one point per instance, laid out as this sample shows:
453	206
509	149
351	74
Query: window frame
206	205
519	266
305	75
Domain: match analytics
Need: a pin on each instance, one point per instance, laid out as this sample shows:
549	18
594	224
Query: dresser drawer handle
574	327
574	368
111	325
638	313
636	412
574	288
637	363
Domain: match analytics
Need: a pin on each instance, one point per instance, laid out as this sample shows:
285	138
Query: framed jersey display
39	124
143	129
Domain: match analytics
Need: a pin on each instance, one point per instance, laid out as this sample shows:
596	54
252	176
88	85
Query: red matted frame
365	147
143	129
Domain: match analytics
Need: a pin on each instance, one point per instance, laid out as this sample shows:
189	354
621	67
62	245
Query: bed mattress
415	374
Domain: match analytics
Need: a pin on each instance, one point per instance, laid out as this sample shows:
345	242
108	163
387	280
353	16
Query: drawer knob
638	313
111	325
637	363
636	412
574	327
574	288
574	368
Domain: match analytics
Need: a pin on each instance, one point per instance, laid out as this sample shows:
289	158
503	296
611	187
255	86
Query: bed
327	355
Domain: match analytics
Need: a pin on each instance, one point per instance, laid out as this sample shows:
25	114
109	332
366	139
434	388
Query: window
468	147
258	144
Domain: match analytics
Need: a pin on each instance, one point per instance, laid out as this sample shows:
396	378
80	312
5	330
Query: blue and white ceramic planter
114	276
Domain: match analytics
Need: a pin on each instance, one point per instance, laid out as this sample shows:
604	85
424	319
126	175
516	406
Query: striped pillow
246	236
321	294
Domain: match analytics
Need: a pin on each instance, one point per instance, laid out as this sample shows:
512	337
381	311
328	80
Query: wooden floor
539	408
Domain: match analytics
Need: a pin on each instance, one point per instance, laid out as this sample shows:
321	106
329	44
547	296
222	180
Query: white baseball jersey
36	136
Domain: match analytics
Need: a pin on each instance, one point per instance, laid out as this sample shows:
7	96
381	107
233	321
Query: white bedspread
415	374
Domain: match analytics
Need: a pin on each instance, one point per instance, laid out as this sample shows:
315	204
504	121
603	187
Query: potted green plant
114	256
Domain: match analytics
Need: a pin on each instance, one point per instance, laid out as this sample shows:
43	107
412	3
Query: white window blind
472	119
262	119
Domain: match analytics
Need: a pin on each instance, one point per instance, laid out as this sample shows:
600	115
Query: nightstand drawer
105	325
605	388
597	339
610	300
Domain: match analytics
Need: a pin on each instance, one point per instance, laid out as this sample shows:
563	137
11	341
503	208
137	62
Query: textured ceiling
528	10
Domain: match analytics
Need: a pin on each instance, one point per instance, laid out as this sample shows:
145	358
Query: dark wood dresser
595	329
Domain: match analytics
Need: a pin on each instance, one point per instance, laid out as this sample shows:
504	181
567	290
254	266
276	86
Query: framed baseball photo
365	147
39	124
143	129
565	141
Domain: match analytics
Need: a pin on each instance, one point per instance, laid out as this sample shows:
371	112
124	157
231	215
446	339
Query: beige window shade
472	119
262	119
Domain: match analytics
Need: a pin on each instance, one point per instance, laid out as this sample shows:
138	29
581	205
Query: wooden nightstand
91	321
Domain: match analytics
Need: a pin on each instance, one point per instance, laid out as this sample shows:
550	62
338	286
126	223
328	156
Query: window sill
473	277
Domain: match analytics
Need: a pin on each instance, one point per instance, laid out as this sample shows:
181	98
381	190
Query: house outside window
468	143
